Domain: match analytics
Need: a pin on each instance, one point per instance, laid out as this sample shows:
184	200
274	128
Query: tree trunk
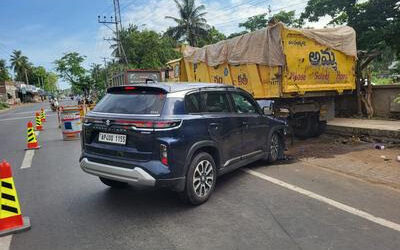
366	98
26	77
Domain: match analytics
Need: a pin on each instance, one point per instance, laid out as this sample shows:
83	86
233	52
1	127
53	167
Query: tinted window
193	103
243	104
131	103
216	102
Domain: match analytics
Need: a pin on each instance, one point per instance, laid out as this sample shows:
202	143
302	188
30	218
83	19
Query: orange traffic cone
31	138
38	122
11	220
42	115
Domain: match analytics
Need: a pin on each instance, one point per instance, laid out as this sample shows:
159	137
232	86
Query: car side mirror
267	110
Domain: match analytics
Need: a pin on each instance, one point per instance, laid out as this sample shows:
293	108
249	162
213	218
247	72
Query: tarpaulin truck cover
276	61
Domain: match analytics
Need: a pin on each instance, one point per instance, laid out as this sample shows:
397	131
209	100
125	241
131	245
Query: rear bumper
135	176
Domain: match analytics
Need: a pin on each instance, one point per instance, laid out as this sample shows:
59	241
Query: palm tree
3	71
191	24
20	64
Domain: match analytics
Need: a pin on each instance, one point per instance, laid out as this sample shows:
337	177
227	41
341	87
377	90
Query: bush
3	105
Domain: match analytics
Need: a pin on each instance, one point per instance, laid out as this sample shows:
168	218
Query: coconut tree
4	76
20	64
191	24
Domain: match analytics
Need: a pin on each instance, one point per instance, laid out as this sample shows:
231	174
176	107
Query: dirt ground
353	156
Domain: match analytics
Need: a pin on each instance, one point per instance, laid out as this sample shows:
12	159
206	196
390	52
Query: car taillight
153	125
129	88
164	154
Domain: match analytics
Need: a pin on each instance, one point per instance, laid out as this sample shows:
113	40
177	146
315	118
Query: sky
46	29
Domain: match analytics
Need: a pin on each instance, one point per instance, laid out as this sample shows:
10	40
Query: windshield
131	103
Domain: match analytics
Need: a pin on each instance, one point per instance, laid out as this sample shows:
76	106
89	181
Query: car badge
108	122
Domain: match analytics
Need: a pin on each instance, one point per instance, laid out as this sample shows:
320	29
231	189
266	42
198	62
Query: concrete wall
382	100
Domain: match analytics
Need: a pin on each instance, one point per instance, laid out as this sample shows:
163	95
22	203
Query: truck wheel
314	120
304	127
321	127
113	184
275	148
200	179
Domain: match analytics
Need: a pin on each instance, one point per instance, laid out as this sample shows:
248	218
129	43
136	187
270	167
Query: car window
243	104
216	102
193	103
132	103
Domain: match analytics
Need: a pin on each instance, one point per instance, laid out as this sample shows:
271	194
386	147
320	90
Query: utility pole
118	27
105	69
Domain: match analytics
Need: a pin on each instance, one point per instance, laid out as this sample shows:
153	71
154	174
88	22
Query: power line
118	27
265	13
238	5
253	3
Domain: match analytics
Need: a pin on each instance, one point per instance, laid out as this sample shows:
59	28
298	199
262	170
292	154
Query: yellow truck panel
302	87
310	67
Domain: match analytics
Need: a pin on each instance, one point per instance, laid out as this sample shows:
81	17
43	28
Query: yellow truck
300	70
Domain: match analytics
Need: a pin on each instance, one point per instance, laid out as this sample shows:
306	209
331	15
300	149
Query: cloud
224	15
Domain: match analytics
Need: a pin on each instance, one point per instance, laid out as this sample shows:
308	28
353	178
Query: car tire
113	184
276	148
200	179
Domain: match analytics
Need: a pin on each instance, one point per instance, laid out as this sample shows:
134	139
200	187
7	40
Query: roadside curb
366	178
18	106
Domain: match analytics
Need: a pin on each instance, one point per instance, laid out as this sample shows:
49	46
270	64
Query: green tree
98	74
288	18
237	34
260	21
37	75
51	82
69	68
212	36
146	49
20	64
4	75
255	23
191	24
377	22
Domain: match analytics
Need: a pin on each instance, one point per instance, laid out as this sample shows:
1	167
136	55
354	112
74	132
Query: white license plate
112	138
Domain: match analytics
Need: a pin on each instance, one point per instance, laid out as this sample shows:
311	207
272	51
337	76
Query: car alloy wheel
203	178
274	147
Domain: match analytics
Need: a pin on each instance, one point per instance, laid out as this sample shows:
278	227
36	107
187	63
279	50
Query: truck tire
303	128
321	127
200	179
113	184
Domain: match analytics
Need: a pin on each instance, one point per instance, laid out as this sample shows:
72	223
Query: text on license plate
112	138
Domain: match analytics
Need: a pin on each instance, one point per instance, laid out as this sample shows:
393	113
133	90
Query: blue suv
181	136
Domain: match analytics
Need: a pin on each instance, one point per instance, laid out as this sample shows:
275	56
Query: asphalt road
72	210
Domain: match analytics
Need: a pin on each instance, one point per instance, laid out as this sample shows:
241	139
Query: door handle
214	125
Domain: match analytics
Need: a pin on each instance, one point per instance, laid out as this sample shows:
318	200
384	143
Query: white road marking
5	242
27	162
338	205
30	112
21	118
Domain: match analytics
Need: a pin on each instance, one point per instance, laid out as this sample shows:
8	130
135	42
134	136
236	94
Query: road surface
282	206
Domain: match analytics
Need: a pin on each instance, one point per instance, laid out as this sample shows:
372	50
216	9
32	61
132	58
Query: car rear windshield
131	103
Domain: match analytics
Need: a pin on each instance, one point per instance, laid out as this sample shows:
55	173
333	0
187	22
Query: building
9	92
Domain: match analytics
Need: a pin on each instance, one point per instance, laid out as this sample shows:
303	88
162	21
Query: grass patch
3	105
382	81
